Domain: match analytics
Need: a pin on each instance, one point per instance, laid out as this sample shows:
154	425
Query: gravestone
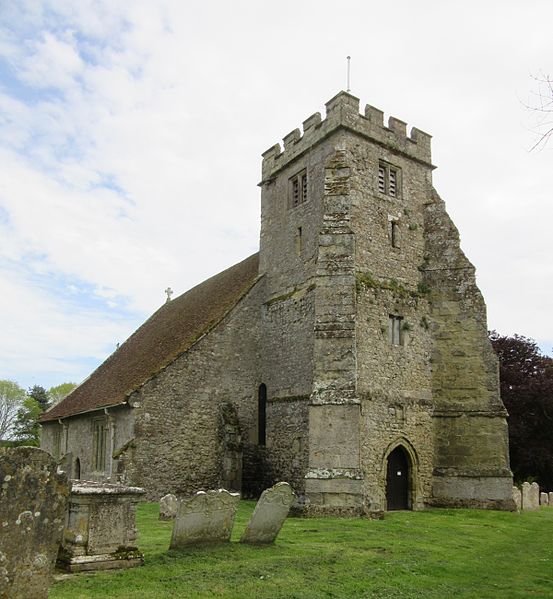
33	499
551	498
544	499
269	515
66	464
517	498
204	518
530	496
168	506
100	531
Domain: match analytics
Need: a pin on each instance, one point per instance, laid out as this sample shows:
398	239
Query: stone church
348	357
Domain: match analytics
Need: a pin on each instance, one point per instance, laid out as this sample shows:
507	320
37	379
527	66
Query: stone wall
178	413
287	441
288	312
77	436
472	455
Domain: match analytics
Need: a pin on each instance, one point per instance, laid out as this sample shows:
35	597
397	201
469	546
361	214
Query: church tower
379	387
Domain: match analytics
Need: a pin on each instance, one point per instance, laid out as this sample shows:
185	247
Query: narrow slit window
394	234
394	329
298	240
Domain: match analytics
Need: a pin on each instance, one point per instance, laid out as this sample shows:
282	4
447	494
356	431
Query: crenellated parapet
342	111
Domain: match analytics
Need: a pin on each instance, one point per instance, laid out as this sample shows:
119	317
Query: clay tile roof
169	332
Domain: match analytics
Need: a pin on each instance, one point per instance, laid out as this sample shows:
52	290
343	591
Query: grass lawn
432	554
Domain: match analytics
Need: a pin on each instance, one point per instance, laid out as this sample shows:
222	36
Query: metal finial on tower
169	293
348	86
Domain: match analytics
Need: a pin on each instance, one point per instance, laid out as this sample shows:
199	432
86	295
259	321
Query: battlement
342	111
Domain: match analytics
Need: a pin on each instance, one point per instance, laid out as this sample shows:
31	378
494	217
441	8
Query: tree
26	427
57	393
11	399
40	395
542	109
526	381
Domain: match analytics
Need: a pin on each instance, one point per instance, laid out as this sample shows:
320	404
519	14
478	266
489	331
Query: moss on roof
167	334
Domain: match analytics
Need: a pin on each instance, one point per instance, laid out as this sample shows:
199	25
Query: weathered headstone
530	496
544	499
551	498
269	515
33	499
66	464
168	506
517	498
100	531
204	518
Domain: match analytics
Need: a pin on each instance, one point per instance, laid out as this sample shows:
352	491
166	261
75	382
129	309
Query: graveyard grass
431	554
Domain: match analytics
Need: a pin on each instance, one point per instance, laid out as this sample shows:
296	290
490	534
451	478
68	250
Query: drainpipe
65	429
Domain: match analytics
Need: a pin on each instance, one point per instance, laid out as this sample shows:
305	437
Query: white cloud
131	135
51	62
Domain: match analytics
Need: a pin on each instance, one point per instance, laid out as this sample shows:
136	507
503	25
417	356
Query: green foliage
365	280
434	554
413	226
26	408
424	264
57	393
11	398
26	427
526	382
40	395
423	288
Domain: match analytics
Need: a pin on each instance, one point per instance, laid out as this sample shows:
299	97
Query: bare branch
542	108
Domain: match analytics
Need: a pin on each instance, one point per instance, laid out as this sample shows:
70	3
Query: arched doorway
398	480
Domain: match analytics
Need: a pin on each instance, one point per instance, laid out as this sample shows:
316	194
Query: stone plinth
33	498
100	530
269	515
205	518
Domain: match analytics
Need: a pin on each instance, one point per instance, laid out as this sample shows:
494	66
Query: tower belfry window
298	189
381	179
392	182
389	180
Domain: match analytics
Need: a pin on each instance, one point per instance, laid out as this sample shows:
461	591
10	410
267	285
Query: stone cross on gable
169	293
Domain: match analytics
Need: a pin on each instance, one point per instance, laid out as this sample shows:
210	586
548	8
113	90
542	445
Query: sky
131	135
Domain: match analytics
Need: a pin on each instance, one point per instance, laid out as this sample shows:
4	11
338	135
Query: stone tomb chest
100	530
